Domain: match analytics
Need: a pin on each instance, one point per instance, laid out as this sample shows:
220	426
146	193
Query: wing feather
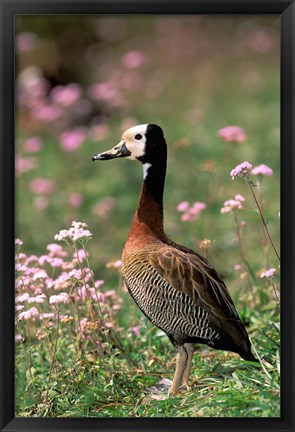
190	273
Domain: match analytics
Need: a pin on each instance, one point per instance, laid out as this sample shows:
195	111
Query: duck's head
145	143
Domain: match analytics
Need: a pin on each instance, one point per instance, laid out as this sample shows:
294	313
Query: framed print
147	203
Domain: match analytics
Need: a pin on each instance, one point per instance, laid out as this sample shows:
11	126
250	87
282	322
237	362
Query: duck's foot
159	391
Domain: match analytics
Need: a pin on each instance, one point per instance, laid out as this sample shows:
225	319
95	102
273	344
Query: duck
176	288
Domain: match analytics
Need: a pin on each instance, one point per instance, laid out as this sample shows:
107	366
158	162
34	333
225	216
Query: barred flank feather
182	306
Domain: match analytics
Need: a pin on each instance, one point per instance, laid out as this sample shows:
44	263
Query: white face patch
135	140
146	167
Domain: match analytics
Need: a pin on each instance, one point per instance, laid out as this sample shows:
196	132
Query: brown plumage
176	288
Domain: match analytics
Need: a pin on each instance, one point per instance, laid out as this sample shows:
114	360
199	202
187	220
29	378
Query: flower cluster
67	95
268	273
241	170
245	168
60	298
30	314
71	140
232	134
26	42
23	165
262	170
42	186
190	212
133	59
33	144
76	232
49	285
233	204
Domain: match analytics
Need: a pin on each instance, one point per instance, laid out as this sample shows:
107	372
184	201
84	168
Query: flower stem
241	250
28	359
105	331
249	183
275	291
53	358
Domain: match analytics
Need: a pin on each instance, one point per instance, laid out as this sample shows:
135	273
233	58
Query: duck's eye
138	137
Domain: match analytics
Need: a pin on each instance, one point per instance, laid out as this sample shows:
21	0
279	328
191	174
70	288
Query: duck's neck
148	219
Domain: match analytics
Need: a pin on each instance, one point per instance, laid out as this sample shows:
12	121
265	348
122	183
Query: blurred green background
81	81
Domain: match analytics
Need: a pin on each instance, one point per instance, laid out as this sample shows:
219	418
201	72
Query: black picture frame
9	10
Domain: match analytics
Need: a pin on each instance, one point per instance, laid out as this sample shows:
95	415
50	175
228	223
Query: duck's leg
189	347
181	364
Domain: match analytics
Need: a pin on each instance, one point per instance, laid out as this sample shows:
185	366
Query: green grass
221	384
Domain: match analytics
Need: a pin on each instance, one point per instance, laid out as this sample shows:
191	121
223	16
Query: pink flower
21	256
76	232
268	273
229	205
197	206
60	298
80	256
18	338
98	283
186	217
47	113
76	199
134	59
232	204
83	292
83	323
32	313
20	268
232	134
38	299
43	259
106	91
47	315
182	206
61	281
18	242
262	169
33	144
135	330
56	262
190	213
72	140
109	325
110	293
66	95
76	274
56	249
239	198
26	42
242	169
40	274
22	298
42	186
25	164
